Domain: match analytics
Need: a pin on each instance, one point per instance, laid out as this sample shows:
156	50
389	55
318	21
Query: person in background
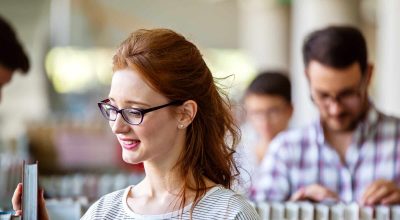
12	58
166	112
12	55
352	152
268	108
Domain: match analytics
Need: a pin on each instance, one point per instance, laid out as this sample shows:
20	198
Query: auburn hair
173	66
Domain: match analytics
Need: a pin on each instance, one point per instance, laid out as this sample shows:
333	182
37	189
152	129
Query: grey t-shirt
218	203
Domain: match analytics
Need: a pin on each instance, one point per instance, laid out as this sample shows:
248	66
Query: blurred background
51	115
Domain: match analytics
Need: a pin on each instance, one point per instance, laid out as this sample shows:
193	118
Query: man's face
5	77
339	94
269	114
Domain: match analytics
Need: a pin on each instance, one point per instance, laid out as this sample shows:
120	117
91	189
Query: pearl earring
180	126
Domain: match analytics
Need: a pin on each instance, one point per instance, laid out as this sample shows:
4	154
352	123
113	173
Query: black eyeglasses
133	116
346	98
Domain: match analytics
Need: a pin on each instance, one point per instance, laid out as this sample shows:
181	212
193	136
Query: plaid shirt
302	157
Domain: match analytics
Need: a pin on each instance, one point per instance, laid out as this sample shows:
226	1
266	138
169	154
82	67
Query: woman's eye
133	113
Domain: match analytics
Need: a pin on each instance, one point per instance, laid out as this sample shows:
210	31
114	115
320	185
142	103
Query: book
30	191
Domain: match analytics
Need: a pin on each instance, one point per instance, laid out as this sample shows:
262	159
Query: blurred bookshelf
78	163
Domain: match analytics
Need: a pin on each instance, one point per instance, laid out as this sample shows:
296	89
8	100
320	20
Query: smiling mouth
130	144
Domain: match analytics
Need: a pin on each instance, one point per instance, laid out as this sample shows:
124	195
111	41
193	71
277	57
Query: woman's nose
119	125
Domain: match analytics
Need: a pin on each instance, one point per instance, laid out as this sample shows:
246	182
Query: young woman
166	112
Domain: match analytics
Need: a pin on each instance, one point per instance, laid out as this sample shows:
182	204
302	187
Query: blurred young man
352	152
12	55
268	106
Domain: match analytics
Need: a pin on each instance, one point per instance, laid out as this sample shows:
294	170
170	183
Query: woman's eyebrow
131	102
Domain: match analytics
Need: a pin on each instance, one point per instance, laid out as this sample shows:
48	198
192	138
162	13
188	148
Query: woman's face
269	114
157	138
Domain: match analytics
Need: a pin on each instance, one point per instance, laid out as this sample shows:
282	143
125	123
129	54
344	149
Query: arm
242	209
275	178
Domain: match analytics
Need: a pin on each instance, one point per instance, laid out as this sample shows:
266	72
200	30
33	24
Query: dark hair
271	83
174	67
336	46
12	54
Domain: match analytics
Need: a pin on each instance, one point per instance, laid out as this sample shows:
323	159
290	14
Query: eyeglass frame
141	111
272	114
355	93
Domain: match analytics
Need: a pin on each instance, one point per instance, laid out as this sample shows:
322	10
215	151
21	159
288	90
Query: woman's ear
186	113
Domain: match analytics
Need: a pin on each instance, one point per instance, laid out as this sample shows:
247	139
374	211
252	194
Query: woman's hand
16	200
16	203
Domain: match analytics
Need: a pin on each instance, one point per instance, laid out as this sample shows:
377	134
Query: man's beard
345	122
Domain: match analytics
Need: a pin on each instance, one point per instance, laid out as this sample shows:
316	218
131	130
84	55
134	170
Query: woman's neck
161	179
161	191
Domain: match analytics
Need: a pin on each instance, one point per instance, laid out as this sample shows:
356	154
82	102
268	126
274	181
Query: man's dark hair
337	47
271	83
12	54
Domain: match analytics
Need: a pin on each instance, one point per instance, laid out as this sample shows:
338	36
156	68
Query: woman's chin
130	160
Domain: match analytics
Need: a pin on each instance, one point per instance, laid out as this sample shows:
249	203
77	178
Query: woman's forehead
127	85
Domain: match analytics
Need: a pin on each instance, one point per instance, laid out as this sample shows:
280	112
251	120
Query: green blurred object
285	2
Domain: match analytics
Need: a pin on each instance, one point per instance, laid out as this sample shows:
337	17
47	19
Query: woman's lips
129	144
